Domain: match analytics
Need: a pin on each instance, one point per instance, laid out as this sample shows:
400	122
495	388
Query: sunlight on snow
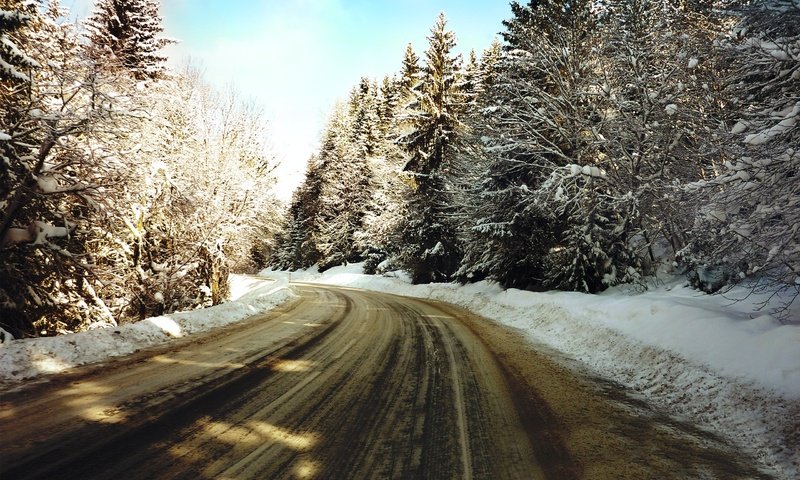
296	441
305	468
50	365
167	325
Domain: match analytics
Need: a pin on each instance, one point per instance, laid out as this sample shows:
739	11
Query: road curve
345	384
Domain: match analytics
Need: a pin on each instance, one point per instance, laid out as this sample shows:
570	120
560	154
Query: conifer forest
591	144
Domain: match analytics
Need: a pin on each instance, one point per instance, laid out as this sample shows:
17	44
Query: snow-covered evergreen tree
545	216
489	64
296	243
15	15
345	194
433	122
409	73
379	239
129	31
326	220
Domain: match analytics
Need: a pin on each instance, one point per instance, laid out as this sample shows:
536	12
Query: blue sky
295	58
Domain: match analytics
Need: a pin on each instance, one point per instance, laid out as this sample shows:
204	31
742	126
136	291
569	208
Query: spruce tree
345	191
543	215
129	30
14	16
431	249
410	72
296	246
489	65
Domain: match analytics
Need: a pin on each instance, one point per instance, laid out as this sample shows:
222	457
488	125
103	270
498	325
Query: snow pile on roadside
28	358
721	364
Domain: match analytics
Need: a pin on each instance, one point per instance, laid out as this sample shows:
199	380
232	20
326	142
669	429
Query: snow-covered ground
718	363
721	364
29	358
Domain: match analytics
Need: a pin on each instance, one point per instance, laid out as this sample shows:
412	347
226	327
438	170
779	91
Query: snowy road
347	384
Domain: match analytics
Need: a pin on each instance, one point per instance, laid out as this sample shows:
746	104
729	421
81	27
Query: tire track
344	384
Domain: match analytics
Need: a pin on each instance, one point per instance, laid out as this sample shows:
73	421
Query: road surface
347	384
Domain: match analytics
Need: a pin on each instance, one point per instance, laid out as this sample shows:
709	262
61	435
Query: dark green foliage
15	15
536	124
431	252
433	121
129	31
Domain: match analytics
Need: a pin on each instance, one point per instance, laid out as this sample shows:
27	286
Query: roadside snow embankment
28	358
718	363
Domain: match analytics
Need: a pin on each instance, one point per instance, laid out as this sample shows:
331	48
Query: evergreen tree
388	101
326	219
545	198
129	30
471	84
380	239
296	245
14	16
489	65
431	249
345	192
409	73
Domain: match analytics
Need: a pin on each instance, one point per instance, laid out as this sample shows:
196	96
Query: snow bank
721	363
28	358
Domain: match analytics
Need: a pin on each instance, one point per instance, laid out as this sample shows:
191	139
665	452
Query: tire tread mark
107	441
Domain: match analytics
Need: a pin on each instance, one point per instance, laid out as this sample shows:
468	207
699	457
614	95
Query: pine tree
130	31
489	65
542	217
345	193
432	251
15	15
326	220
409	73
470	83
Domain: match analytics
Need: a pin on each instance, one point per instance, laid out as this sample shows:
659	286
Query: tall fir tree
15	18
410	72
296	244
433	123
345	192
130	31
490	60
545	216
